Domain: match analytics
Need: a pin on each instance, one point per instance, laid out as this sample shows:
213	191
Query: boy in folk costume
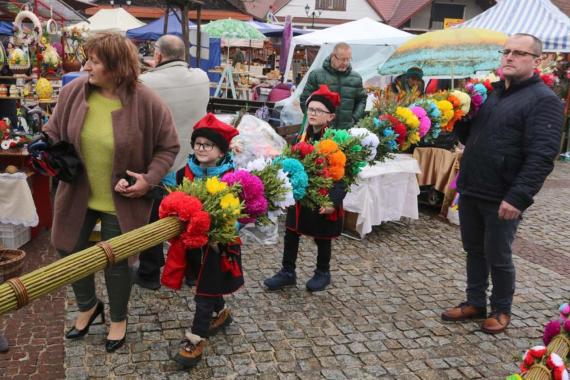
214	277
324	224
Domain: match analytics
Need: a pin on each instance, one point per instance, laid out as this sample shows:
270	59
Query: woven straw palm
17	292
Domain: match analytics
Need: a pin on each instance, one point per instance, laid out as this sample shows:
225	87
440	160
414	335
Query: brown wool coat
145	142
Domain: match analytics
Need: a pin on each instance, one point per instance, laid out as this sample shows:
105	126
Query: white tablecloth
386	191
16	200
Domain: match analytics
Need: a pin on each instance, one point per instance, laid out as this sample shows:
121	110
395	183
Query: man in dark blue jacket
510	147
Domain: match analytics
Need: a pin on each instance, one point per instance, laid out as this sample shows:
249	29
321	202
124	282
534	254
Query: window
439	12
331	5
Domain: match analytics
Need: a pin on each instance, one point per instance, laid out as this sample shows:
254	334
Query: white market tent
364	32
372	44
540	18
111	20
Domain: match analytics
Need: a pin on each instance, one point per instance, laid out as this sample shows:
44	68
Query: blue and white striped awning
540	18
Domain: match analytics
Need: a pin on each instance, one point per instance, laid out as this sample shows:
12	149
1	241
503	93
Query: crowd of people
158	123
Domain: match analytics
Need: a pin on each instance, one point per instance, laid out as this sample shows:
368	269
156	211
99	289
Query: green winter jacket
348	84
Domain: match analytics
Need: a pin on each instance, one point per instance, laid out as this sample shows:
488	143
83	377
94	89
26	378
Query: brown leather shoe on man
464	311
496	323
221	320
191	351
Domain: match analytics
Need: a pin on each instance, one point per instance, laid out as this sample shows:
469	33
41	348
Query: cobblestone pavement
34	333
378	319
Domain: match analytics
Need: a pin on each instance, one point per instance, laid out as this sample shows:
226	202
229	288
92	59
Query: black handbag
58	160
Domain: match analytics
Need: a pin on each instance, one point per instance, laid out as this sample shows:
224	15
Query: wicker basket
11	263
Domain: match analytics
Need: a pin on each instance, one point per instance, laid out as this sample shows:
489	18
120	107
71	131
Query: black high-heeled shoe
75	333
114	345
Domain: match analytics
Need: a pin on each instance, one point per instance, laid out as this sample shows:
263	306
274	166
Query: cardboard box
350	219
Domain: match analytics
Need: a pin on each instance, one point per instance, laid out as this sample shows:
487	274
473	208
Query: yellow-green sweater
98	149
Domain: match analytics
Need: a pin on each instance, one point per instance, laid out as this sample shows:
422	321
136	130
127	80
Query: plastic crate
14	236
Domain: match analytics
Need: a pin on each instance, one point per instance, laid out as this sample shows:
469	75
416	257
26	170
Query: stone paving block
333	374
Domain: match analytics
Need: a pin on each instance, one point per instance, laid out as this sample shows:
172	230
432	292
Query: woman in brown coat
119	129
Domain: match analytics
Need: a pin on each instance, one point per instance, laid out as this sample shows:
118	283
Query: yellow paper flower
214	186
230	202
414	138
446	109
408	117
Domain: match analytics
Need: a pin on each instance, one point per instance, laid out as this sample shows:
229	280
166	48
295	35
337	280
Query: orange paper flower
327	147
455	101
337	159
336	172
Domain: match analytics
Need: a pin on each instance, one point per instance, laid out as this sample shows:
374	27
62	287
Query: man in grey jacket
186	91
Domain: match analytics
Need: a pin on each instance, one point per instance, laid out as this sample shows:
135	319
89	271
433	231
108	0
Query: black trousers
117	276
487	241
291	248
205	307
152	259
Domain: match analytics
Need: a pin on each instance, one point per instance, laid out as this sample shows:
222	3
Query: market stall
552	26
31	60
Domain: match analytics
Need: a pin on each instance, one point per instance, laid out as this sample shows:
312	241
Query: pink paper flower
252	193
425	121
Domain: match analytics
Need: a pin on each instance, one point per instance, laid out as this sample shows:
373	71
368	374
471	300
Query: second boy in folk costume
324	224
210	140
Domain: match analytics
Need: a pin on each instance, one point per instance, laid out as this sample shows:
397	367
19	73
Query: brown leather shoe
191	351
463	312
223	319
496	323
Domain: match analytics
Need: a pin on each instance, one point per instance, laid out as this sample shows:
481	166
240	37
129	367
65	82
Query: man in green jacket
337	74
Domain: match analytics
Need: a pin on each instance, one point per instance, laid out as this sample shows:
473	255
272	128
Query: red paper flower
188	209
398	127
302	148
196	234
538	351
319	161
324	192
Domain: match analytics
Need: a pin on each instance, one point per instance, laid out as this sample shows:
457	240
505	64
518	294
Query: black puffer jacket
511	144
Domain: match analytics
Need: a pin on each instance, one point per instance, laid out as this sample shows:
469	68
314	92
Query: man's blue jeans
487	241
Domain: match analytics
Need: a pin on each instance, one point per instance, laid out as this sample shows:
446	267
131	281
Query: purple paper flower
252	193
551	329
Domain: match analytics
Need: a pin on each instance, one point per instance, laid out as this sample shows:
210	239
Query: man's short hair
341	46
536	42
171	47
